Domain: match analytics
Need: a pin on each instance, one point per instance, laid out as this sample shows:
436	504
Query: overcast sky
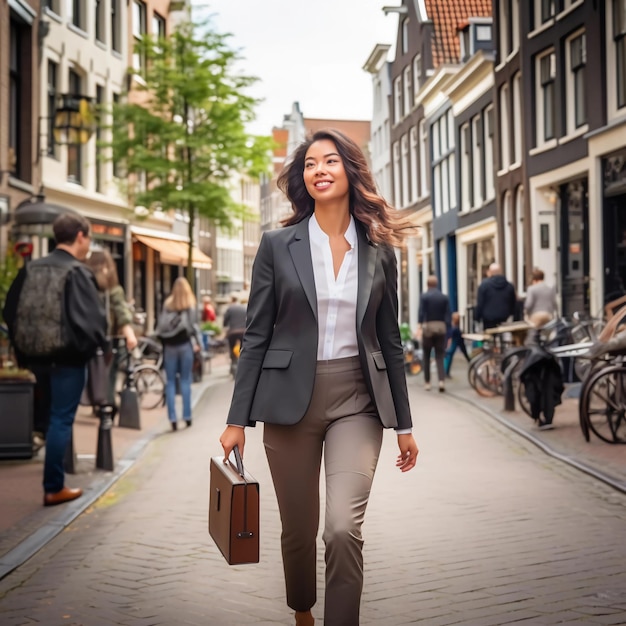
311	52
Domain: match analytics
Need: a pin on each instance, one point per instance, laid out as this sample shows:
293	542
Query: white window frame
414	148
405	35
519	247
424	159
488	122
397	100
139	30
408	91
466	168
507	217
515	26
503	31
404	154
516	105
540	90
396	174
505	145
477	162
572	77
417	73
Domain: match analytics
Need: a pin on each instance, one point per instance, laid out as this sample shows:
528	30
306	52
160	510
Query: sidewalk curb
44	534
611	481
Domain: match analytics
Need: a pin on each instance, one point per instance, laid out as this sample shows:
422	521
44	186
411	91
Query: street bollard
104	452
69	460
507	386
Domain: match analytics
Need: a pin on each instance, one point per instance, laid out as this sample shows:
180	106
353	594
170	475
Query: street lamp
74	120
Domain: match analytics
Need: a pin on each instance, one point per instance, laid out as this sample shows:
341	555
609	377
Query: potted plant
16	384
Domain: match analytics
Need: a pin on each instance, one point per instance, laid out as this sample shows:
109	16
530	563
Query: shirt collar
318	236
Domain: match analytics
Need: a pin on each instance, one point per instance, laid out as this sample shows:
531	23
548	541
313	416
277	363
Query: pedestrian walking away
56	323
178	329
322	336
235	323
540	303
119	314
455	342
434	321
495	301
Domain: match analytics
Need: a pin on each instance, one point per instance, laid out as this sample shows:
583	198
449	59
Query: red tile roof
447	16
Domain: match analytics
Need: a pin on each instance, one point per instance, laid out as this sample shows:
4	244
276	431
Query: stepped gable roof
447	17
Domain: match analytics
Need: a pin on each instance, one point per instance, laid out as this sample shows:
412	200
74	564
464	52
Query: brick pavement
486	530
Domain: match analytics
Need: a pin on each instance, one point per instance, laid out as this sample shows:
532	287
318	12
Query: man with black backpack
56	322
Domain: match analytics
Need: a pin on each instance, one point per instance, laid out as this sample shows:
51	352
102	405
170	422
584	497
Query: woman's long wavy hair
181	298
366	204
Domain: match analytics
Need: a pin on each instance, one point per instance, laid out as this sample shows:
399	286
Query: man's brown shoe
65	495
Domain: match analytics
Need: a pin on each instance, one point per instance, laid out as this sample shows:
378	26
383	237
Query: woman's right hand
231	437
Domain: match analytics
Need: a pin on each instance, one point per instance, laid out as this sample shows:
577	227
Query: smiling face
324	175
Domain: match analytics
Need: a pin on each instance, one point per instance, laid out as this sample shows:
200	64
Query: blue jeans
178	360
66	387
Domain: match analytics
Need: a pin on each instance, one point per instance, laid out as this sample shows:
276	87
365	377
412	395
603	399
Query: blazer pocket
379	360
277	359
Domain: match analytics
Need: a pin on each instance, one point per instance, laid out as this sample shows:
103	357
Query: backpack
173	327
40	323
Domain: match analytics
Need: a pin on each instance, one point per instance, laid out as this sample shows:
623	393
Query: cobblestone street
486	530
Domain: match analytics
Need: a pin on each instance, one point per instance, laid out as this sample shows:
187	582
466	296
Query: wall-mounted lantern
74	120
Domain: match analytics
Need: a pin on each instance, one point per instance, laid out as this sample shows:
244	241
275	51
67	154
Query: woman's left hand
408	452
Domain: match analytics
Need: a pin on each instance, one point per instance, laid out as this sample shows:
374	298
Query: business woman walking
322	365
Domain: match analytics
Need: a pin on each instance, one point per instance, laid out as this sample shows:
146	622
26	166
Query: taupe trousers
341	422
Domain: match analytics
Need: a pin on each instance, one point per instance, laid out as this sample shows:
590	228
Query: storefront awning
176	252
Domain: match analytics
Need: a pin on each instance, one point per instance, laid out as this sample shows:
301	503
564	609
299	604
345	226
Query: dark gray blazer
276	368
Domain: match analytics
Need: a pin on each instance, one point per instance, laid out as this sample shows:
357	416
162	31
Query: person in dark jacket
496	299
434	321
74	313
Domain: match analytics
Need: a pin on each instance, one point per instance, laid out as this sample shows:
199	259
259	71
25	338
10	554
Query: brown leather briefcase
234	511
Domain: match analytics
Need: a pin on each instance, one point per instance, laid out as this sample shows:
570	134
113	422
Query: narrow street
486	530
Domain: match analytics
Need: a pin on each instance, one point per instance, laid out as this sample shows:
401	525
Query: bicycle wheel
488	375
522	399
603	405
150	386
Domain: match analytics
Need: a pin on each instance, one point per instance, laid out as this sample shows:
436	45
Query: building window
53	5
490	189
547	105
77	13
397	99
158	26
408	91
116	26
505	148
396	174
504	36
417	73
477	161
578	60
98	162
548	10
16	100
444	172
74	151
516	109
619	37
53	94
424	160
100	21
404	143
414	156
515	25
405	35
466	168
139	31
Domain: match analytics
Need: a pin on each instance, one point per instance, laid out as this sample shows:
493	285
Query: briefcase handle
239	462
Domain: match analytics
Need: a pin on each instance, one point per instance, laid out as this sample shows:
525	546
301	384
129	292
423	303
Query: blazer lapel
300	250
368	252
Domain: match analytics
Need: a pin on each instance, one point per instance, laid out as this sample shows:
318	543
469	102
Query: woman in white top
322	365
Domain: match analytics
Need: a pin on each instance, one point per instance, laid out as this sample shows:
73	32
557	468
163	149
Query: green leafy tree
182	131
